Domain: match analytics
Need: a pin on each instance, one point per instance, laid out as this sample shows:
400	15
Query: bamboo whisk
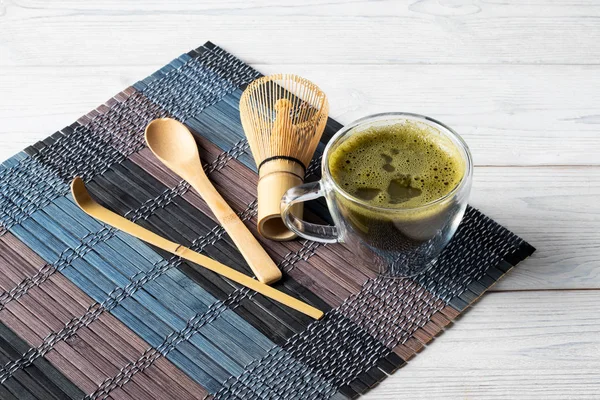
284	117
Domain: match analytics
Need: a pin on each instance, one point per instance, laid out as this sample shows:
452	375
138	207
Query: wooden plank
554	209
526	345
447	33
501	110
359	8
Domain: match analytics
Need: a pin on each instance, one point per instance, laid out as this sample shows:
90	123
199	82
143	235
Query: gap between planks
540	290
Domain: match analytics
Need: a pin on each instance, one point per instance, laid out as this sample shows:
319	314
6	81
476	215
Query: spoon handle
255	255
94	209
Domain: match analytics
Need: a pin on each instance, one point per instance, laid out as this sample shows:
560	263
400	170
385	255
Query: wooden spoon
92	208
174	145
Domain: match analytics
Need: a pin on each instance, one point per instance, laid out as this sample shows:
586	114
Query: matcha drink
398	171
396	186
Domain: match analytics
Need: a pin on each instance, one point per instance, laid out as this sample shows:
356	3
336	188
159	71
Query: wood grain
508	114
425	31
510	346
389	8
554	209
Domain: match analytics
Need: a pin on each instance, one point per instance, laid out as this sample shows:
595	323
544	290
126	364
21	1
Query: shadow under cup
395	241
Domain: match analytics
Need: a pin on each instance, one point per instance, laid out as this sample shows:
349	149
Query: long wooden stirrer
92	208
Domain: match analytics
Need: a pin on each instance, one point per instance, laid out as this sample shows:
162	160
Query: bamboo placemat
89	311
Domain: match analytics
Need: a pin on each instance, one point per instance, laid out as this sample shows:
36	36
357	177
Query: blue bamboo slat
155	322
221	125
178	358
188	226
176	63
139	254
65	218
105	280
191	313
120	201
232	257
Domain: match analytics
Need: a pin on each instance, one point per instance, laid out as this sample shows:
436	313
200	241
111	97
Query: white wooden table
519	79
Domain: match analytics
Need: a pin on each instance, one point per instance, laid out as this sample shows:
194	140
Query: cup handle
306	230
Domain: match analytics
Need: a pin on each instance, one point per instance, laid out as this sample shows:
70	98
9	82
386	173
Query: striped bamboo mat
87	311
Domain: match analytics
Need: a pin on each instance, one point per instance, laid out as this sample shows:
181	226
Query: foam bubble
370	161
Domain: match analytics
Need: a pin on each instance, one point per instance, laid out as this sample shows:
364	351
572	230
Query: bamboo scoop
92	208
175	146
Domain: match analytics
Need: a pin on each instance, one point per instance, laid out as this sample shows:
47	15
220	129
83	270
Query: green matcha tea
399	169
397	166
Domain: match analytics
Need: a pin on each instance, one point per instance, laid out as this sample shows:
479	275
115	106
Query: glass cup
395	242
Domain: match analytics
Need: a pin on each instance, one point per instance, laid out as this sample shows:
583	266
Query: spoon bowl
173	144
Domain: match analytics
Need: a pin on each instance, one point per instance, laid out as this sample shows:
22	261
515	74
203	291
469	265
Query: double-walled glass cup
396	242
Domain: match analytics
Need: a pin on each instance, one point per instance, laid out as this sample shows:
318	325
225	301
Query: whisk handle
302	228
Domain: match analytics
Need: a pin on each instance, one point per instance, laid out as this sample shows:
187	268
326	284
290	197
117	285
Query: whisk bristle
283	115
